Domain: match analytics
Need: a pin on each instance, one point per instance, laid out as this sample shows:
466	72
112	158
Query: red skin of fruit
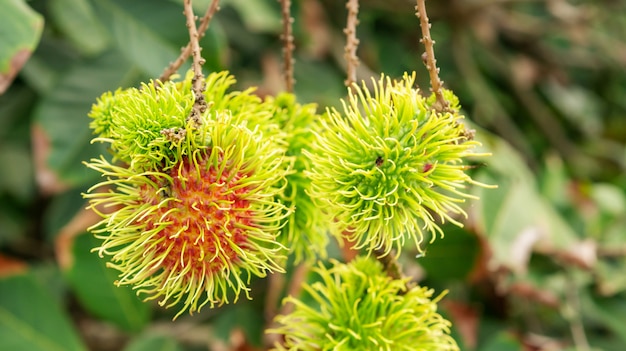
208	216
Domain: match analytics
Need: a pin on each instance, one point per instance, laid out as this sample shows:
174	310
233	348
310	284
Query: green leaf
17	180
311	75
153	342
581	106
609	198
60	211
52	59
15	105
214	48
31	320
94	286
609	311
146	46
62	115
79	23
502	341
515	217
453	257
244	315
153	31
20	30
601	342
610	277
258	16
14	223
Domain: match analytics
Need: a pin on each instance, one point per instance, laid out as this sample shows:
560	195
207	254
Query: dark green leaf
31	320
94	286
257	15
52	59
78	21
242	315
13	179
62	115
318	82
153	343
61	209
609	311
145	45
453	257
13	222
15	107
502	342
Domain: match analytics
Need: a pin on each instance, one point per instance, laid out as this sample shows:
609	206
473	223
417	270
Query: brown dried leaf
17	62
240	343
47	180
465	319
10	266
533	293
521	249
582	254
64	240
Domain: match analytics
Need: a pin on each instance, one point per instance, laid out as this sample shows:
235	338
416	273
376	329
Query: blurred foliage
540	264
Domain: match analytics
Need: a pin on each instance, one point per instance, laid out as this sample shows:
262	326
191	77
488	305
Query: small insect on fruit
427	167
379	161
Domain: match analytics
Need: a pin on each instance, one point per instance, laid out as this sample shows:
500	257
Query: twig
532	293
298	279
389	262
352	42
186	51
295	287
199	105
275	286
612	252
391	267
429	57
575	319
288	46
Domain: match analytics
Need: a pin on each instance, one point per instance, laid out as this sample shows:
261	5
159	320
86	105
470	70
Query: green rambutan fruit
140	124
103	112
133	122
303	233
390	167
356	306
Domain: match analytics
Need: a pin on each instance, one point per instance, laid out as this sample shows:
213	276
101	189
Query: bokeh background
540	263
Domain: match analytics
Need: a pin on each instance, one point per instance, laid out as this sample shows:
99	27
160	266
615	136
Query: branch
351	41
612	251
199	104
429	57
186	51
288	46
574	317
389	262
296	282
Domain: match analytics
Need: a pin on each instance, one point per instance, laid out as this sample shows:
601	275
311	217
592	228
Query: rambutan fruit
193	212
390	166
356	306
